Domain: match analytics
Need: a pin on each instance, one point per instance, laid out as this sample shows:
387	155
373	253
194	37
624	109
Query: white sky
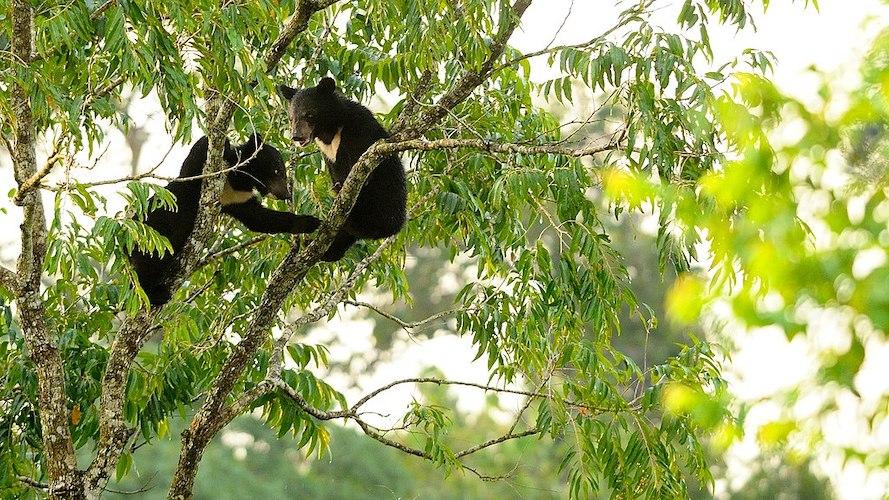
799	38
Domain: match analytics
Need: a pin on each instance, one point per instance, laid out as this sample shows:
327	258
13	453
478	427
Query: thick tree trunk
61	466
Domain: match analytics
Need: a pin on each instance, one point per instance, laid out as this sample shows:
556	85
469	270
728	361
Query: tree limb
370	431
438	381
389	147
38	176
297	24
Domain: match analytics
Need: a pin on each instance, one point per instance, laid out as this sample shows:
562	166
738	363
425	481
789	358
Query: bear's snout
280	190
303	141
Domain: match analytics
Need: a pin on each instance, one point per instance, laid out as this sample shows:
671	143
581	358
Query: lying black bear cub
260	169
343	130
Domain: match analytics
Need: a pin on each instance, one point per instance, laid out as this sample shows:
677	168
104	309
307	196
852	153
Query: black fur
262	170
320	112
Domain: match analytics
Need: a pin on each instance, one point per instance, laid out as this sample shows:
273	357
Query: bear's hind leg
342	242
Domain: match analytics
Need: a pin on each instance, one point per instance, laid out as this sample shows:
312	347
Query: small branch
402	323
506	437
230	250
385	148
103	91
367	429
438	381
413	100
297	24
32	483
149	175
306	407
102	8
38	176
550	50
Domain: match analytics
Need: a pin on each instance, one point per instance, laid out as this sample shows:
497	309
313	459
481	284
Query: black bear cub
343	130
260	168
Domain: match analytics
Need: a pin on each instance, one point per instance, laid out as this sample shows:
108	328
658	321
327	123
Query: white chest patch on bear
329	150
231	197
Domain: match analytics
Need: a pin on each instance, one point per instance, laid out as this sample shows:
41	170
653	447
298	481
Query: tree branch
8	281
388	147
38	176
506	437
438	381
407	325
370	431
32	483
232	249
101	9
113	430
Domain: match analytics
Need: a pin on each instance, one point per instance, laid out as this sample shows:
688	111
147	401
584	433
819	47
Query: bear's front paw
307	224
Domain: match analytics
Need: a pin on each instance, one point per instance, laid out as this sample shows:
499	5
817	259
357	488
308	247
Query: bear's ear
229	154
286	92
249	148
327	85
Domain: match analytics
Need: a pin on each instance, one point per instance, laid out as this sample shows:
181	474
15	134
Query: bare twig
407	325
438	381
102	8
232	249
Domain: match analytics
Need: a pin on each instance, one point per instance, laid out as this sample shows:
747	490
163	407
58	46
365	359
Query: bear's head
315	112
260	167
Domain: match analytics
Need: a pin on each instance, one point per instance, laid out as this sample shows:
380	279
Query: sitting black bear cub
260	168
343	130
